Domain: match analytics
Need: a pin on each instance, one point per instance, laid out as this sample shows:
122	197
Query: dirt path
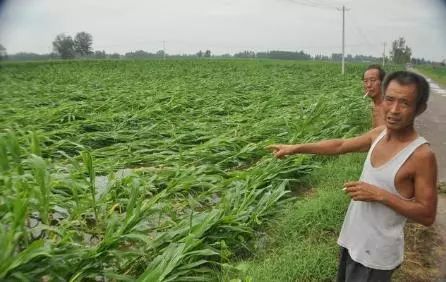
432	125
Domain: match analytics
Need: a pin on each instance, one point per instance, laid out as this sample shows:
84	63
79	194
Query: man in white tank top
398	181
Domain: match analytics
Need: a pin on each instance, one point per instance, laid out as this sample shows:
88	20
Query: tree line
81	46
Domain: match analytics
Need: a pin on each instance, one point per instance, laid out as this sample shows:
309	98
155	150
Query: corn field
155	170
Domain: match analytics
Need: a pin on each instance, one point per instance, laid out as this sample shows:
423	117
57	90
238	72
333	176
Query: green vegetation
301	244
156	170
437	73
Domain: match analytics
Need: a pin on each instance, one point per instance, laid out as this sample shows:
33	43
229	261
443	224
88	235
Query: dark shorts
352	271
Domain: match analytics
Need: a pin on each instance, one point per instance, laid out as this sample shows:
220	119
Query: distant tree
200	54
400	53
417	61
115	56
100	54
160	54
207	54
138	54
2	52
321	57
284	55
64	46
23	56
245	54
82	43
367	59
336	56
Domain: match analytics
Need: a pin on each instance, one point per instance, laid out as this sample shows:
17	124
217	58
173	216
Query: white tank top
373	232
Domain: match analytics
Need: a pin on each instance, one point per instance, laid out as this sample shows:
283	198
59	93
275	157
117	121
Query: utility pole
164	50
384	54
343	38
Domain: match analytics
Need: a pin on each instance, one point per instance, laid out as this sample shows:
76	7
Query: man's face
399	105
372	83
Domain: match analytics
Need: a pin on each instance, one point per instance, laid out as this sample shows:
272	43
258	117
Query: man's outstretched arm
328	147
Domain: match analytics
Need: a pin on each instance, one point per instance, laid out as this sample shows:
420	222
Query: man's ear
421	109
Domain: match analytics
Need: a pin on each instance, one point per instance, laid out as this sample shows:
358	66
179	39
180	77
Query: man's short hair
409	78
381	72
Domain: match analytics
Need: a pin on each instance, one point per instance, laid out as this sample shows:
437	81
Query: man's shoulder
424	161
423	154
375	132
423	158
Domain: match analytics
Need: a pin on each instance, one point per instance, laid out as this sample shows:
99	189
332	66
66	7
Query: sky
228	26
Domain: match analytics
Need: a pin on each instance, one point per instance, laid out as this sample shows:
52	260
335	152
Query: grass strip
301	243
436	73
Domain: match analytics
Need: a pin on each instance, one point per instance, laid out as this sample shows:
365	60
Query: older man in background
372	79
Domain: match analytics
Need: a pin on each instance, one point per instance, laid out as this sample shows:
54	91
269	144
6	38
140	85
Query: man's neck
402	135
377	100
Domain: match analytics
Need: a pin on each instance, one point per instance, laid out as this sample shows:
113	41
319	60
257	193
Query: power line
312	4
360	32
330	7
